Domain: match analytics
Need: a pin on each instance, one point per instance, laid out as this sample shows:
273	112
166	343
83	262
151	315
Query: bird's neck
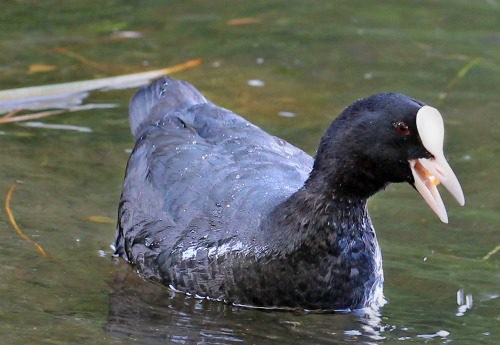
345	176
318	220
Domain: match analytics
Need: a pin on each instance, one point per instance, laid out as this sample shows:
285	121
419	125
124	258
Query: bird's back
200	179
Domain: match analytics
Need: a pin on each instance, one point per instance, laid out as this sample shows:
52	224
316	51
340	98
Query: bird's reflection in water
145	312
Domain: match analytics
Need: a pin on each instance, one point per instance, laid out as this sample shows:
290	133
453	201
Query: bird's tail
153	101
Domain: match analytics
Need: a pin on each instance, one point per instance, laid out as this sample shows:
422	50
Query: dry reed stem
13	220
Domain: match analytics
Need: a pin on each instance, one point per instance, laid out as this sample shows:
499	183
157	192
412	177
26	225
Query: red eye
402	128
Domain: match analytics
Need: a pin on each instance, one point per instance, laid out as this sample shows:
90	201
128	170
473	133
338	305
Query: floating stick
13	221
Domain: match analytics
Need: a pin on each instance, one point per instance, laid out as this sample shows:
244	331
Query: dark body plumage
214	206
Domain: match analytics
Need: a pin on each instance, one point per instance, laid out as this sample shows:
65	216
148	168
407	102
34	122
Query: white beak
428	173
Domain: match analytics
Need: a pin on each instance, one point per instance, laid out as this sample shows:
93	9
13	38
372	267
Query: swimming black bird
214	206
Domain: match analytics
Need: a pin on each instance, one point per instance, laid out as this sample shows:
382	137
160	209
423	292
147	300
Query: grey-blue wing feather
152	102
200	176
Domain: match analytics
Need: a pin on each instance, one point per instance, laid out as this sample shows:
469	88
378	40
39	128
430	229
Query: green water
315	58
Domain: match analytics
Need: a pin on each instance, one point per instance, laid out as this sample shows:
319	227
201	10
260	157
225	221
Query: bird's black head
381	139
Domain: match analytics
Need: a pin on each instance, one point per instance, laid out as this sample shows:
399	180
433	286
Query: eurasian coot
214	206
